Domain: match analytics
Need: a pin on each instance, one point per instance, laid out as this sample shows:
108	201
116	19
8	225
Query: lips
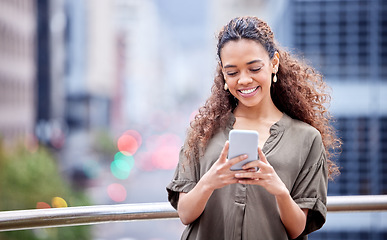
248	92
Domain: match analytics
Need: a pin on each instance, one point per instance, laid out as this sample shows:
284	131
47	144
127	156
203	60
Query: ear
275	62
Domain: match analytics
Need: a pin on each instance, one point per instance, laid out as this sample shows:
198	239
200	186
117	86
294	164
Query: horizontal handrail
74	216
357	203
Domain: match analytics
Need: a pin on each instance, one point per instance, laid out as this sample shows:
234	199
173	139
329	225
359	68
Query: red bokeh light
41	205
144	161
164	151
127	144
134	134
116	192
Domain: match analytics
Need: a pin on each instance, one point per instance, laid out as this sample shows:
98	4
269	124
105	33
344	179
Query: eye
231	73
255	69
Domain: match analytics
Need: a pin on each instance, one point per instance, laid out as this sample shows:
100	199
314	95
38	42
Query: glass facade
346	40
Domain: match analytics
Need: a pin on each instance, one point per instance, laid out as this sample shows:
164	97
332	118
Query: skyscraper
347	41
17	68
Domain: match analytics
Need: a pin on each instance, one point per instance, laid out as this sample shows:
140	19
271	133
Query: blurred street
141	187
96	98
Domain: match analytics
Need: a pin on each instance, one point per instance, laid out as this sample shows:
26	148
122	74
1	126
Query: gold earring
225	87
275	78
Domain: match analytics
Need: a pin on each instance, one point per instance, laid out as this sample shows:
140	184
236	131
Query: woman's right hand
192	204
220	174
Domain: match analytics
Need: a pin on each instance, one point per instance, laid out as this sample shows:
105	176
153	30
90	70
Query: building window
344	39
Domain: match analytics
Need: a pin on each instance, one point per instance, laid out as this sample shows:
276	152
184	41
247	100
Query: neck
259	112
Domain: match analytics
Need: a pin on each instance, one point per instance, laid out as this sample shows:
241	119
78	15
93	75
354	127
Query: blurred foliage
29	175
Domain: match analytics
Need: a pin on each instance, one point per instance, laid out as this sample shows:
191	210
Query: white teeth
248	91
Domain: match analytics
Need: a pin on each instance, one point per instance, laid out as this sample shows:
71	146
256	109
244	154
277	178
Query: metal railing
73	216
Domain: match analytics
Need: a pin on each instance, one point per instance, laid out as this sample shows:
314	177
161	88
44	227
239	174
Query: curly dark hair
300	92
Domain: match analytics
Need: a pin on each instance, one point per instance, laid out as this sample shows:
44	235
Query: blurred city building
17	69
273	12
45	82
347	42
71	66
91	64
50	125
137	25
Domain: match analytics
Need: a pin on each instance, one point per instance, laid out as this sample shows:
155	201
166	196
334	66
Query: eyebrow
251	62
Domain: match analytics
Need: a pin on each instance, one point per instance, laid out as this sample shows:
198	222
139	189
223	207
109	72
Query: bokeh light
58	202
116	192
159	152
164	151
134	134
166	157
122	165
129	142
144	161
41	205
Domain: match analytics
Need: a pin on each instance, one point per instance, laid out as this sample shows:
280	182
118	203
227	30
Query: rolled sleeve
184	180
174	189
316	214
310	190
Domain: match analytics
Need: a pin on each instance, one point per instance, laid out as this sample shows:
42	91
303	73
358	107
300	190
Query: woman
260	87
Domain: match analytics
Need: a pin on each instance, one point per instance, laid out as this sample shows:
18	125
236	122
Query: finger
262	156
262	162
252	165
258	182
242	171
250	175
237	159
250	181
251	169
264	166
223	154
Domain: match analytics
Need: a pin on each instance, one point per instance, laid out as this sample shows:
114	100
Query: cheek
231	84
266	78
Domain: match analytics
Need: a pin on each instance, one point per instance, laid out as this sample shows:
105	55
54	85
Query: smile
248	91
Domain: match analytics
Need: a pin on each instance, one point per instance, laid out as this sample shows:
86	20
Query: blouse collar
276	128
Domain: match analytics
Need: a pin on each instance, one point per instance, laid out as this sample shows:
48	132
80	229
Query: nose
245	78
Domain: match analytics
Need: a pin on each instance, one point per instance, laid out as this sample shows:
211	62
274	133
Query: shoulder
308	141
300	130
298	125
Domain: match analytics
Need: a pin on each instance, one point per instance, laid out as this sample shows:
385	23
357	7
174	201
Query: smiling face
247	69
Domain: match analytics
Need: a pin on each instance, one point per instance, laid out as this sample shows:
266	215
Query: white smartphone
243	142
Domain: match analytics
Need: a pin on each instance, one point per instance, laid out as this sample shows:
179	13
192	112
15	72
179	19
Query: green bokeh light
122	165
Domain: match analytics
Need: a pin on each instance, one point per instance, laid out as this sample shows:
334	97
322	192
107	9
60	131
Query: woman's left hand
265	176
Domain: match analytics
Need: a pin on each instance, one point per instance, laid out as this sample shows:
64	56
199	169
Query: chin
249	105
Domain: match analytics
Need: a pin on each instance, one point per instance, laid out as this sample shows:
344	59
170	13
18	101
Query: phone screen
243	142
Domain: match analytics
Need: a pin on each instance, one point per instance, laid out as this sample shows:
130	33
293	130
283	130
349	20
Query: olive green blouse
239	211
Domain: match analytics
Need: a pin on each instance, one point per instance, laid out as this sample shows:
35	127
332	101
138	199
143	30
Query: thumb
224	153
262	156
